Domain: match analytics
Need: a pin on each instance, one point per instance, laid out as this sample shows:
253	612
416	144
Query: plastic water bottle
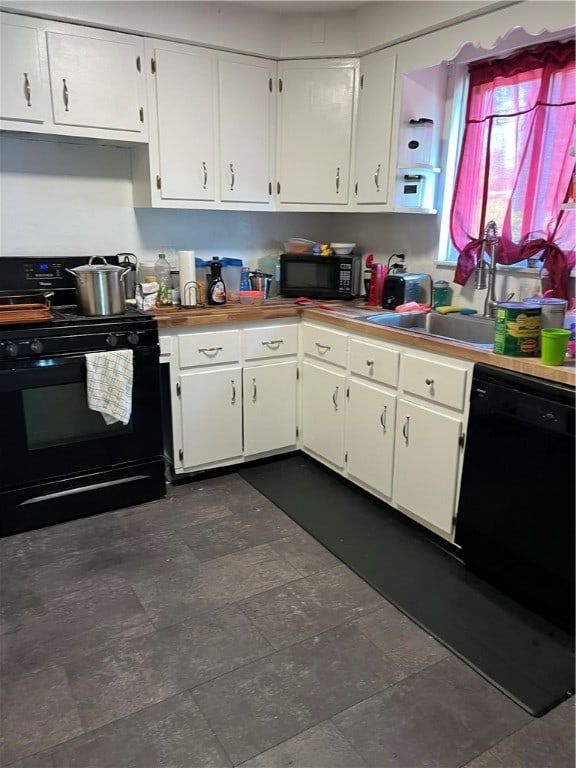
162	272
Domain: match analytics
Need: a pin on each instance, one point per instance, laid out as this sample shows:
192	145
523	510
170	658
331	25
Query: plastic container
296	245
441	294
570	325
162	273
231	274
554	345
251	297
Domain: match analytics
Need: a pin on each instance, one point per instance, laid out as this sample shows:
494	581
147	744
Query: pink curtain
515	166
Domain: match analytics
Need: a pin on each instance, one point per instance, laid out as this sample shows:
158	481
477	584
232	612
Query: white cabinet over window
315	110
23	76
373	128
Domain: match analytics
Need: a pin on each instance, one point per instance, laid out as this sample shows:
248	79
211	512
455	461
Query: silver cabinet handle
233	383
273	344
232	177
205	175
430	382
65	95
335	398
406	429
254	391
27	89
370	364
210	351
337	180
383	416
322	348
377	178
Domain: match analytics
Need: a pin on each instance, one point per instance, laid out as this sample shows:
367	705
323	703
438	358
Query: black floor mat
524	656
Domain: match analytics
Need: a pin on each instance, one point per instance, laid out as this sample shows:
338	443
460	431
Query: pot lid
91	268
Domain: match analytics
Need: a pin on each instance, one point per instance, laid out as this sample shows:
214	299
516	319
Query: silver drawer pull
383	418
210	351
254	391
233	383
323	347
274	344
27	90
335	398
429	382
204	175
370	364
406	429
65	95
377	178
232	178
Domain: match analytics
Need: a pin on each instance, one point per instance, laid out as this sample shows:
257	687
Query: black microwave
320	277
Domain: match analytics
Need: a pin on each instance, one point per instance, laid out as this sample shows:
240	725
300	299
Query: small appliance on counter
409	286
320	277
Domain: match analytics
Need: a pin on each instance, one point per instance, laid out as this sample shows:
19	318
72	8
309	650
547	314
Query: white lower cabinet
211	409
269	406
426	464
323	409
430	424
233	394
371	420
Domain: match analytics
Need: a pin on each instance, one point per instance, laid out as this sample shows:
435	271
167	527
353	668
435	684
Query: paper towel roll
187	266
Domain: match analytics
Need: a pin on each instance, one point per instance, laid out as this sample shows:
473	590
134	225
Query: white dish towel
109	384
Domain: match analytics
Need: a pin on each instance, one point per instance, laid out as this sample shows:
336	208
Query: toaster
407	286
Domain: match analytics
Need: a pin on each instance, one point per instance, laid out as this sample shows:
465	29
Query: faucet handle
510	296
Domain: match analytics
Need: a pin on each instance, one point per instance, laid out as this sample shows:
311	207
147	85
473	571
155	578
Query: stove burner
69	314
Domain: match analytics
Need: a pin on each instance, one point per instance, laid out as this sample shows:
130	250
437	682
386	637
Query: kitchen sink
466	329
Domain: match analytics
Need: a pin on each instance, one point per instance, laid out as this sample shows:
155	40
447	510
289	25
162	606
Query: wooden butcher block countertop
348	316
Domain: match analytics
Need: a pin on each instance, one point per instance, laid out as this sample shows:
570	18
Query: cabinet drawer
324	344
442	383
375	363
212	348
276	341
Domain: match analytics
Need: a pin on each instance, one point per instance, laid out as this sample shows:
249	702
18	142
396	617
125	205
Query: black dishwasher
516	511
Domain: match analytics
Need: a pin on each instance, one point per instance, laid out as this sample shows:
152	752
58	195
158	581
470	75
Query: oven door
49	431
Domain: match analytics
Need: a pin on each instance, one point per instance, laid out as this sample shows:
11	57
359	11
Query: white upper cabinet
70	80
186	119
94	81
23	80
246	129
374	128
211	139
315	111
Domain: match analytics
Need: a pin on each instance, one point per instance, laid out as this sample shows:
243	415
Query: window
516	161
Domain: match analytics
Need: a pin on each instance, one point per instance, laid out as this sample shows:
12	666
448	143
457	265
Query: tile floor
209	630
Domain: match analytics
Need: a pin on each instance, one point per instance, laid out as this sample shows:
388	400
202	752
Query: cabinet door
426	468
22	85
269	407
374	127
323	407
211	403
246	104
371	422
95	82
314	132
185	100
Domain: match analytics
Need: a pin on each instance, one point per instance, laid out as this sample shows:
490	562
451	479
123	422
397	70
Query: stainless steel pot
130	278
100	288
260	281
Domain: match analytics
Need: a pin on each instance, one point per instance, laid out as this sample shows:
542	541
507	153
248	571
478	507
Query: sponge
461	310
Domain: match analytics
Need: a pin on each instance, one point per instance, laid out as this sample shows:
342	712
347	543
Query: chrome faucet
485	275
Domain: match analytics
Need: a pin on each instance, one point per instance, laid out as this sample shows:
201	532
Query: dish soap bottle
216	287
162	272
